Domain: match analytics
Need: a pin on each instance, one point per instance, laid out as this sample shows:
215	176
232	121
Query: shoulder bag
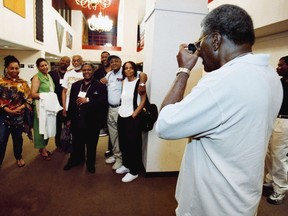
149	114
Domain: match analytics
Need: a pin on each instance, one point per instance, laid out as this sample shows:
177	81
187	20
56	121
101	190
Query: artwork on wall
31	66
140	36
84	32
60	33
69	40
17	6
39	23
54	65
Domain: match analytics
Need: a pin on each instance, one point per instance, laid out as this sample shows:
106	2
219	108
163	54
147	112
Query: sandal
45	157
20	163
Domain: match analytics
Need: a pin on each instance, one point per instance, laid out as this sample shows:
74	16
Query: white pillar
168	24
127	29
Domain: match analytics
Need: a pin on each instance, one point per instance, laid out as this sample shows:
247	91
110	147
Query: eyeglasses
196	45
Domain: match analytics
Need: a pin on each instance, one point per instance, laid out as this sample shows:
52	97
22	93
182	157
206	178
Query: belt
283	116
114	106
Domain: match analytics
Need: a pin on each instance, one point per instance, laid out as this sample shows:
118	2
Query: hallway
42	188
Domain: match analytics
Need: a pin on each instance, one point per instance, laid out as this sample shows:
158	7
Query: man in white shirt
113	80
69	78
277	155
228	117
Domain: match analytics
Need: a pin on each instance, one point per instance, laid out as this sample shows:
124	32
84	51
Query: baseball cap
112	57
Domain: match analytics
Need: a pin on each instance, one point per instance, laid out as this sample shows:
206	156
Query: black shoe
68	166
91	169
108	153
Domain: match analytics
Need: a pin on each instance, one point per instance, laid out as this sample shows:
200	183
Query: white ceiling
8	45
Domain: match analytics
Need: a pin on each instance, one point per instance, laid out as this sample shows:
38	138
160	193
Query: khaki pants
277	157
113	132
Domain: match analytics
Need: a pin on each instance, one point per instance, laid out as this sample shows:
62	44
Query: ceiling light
92	4
100	23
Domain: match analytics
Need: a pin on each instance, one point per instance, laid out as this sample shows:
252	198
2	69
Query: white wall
19	30
270	19
263	12
276	45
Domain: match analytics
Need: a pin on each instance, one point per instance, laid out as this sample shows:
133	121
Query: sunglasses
196	45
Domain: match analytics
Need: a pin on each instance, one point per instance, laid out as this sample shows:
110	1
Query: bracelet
183	70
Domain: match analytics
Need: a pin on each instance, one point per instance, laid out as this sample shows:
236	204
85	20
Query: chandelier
92	4
100	23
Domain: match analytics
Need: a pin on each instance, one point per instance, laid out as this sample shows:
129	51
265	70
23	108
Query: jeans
16	133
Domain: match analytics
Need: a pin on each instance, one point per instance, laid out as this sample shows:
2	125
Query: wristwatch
142	84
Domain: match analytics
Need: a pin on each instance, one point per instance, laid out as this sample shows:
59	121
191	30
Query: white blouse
126	109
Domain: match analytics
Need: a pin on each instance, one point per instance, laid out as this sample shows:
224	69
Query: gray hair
232	21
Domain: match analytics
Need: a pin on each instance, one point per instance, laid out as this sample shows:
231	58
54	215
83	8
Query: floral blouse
13	93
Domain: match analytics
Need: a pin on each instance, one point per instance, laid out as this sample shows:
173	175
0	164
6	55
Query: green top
45	82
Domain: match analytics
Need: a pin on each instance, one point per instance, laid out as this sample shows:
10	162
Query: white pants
277	157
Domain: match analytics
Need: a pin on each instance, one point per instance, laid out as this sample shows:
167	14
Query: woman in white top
129	129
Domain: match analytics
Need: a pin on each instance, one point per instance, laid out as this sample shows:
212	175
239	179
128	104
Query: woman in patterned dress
14	98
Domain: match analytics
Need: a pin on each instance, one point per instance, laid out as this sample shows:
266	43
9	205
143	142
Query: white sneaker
129	177
122	170
116	165
103	132
276	198
110	160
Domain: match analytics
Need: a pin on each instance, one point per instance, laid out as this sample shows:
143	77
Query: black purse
149	113
66	139
28	121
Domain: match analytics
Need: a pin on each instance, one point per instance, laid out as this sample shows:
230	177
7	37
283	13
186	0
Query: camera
192	47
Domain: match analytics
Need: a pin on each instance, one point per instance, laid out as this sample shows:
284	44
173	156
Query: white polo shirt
229	115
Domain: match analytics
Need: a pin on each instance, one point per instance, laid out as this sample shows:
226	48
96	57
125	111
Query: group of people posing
83	99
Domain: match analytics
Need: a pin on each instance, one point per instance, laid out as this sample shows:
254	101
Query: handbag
149	113
28	121
66	139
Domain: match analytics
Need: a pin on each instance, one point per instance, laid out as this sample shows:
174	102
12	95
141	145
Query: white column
168	24
127	29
